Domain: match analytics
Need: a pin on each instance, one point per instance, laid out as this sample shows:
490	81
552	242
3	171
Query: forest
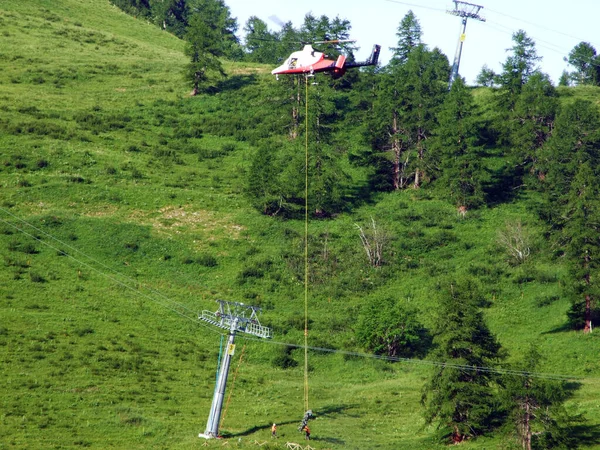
449	257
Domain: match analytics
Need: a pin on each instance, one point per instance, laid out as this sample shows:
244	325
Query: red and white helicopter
310	61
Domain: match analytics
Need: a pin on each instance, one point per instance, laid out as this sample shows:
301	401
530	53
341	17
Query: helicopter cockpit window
293	62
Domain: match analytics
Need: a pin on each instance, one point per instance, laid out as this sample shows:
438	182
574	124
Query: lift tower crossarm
465	11
468	10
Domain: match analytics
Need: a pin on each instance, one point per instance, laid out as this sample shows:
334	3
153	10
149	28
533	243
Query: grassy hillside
122	215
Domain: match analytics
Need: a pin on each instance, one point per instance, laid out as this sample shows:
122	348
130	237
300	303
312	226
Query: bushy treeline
260	44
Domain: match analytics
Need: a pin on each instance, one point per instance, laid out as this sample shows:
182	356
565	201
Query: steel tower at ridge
466	11
231	316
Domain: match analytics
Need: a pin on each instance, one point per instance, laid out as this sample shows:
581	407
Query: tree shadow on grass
585	434
329	440
560	329
323	412
232	83
254	429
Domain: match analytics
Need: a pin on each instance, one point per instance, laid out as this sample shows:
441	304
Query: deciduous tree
387	327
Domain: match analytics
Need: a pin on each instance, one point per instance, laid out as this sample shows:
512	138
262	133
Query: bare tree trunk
588	315
295	112
588	299
420	151
397	149
527	434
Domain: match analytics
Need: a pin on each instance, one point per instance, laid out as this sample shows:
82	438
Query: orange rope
232	386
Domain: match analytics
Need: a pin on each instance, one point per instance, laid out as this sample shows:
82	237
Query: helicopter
309	61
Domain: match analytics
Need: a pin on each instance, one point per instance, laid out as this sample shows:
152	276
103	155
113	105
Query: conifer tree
326	176
583	57
287	38
582	231
409	36
571	177
486	77
532	122
171	15
460	395
261	44
455	152
388	156
518	67
424	89
204	47
209	35
535	405
403	117
264	188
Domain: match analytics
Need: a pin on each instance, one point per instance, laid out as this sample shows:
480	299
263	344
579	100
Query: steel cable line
536	25
424	362
429	362
548	45
164	301
416	5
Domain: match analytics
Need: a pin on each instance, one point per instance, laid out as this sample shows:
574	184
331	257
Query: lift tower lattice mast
234	317
465	11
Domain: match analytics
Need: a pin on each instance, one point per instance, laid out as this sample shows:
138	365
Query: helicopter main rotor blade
277	20
334	41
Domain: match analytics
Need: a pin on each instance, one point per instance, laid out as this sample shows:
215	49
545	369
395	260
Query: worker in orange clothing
274	431
306	432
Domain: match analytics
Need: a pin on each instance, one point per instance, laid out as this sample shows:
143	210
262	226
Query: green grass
105	158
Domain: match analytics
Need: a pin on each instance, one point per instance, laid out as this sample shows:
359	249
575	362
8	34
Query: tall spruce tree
582	235
460	395
454	150
424	90
407	100
409	36
388	156
209	35
531	124
534	405
261	44
326	176
570	171
203	47
263	185
518	67
583	57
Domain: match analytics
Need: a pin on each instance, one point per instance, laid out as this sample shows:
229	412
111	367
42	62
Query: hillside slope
122	215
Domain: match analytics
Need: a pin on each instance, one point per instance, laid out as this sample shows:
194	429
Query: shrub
36	277
83	331
206	260
387	327
284	358
546	300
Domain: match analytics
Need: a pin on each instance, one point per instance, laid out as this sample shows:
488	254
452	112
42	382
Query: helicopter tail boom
372	60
